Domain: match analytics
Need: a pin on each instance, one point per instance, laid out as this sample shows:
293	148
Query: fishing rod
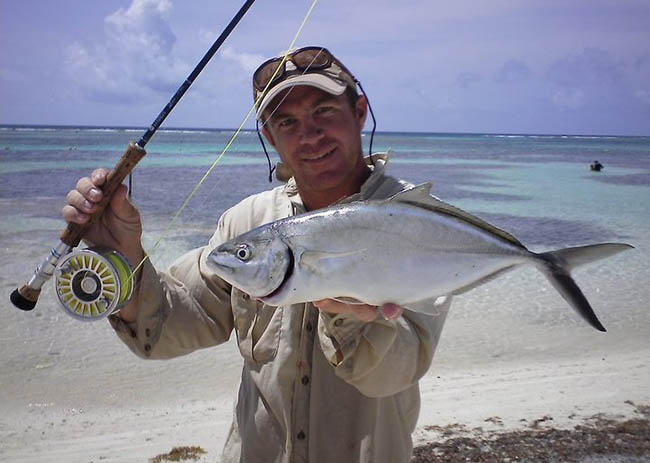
94	282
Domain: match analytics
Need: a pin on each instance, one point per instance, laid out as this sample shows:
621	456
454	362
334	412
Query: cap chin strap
268	159
372	133
374	121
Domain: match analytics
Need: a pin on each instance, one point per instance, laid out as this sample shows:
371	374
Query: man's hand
118	228
363	312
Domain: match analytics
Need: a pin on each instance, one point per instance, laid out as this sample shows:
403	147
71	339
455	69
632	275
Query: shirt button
338	322
305	380
309	327
301	436
147	347
147	332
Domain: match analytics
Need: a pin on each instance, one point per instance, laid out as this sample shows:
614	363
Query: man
323	381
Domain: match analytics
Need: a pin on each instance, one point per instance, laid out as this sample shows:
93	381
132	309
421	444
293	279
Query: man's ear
361	109
267	134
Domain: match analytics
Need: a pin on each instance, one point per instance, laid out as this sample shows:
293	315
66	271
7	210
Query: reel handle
74	232
26	297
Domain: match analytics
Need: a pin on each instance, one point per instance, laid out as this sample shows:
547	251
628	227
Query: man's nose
311	131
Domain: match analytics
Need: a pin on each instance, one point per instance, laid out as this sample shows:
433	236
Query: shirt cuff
141	335
340	334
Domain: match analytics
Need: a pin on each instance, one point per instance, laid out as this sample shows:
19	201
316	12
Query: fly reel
92	283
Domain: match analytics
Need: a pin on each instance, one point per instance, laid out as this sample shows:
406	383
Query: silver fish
405	250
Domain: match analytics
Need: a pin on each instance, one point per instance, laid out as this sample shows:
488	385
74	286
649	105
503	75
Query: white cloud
247	61
207	36
136	58
142	26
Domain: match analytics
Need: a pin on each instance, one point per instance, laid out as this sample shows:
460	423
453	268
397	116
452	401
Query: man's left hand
363	312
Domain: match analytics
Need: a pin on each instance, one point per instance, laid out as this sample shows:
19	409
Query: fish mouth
267	299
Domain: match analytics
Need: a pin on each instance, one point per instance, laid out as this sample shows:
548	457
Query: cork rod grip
74	232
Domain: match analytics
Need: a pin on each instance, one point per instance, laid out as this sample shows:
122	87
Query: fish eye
243	252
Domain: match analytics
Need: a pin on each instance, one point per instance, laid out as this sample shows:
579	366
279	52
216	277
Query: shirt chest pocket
258	327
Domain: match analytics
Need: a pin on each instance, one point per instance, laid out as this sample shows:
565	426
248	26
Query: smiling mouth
321	157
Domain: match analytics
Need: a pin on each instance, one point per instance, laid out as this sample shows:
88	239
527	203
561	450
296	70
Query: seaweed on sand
598	436
179	454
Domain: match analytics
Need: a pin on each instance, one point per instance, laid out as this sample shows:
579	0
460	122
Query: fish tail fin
557	268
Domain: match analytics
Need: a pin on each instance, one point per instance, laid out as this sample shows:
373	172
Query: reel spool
92	283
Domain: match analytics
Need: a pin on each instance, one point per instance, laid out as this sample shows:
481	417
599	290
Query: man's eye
284	123
324	109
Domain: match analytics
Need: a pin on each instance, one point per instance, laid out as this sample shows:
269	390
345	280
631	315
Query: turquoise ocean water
537	186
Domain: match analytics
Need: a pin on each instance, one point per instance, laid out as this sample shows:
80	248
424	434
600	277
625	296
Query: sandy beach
501	399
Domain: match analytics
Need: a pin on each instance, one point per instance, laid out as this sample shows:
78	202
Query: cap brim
320	81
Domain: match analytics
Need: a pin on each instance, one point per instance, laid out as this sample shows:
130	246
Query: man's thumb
122	207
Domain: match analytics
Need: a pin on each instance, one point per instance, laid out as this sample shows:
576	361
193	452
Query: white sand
511	351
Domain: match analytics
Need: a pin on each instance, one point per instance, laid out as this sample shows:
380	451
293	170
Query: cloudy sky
498	66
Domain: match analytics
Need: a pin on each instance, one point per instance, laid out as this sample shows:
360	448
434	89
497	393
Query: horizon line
221	129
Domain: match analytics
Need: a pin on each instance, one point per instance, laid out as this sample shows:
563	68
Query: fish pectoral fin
313	260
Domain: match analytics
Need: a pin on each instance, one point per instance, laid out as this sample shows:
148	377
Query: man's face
318	136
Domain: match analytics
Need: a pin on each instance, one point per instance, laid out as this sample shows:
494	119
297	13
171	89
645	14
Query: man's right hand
118	228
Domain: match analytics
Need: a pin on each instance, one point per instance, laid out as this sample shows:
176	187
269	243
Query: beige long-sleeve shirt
315	387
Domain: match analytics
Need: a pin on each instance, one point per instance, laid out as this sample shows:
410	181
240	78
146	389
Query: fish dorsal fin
413	194
420	196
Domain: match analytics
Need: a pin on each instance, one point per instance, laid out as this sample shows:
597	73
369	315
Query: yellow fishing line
124	276
230	142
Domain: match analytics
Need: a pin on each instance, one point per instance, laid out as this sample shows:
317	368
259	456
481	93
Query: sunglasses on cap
305	60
